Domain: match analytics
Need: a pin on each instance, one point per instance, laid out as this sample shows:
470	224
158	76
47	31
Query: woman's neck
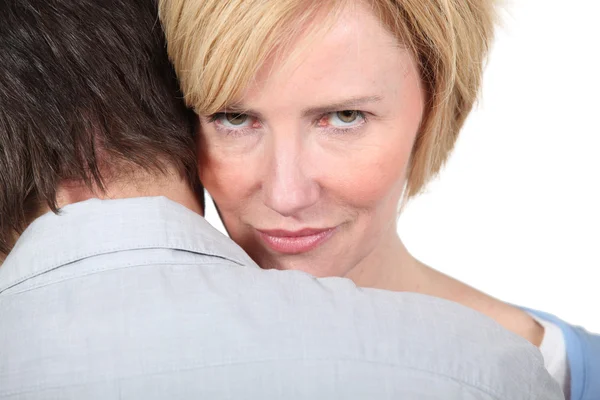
389	266
392	267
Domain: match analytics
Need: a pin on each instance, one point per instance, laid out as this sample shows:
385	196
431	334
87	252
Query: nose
289	187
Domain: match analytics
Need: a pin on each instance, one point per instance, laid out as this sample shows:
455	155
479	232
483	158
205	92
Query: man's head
87	97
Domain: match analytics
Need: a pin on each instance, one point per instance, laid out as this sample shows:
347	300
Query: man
115	287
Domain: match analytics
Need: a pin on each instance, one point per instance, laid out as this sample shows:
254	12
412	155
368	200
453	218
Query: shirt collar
96	227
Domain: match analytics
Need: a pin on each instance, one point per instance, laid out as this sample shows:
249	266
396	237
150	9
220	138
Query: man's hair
85	87
217	48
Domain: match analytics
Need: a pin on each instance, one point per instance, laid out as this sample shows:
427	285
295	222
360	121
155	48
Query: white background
516	211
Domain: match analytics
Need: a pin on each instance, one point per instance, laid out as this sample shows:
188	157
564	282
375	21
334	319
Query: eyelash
341	131
227	131
213	119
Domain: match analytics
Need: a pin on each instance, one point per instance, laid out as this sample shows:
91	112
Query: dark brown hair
83	83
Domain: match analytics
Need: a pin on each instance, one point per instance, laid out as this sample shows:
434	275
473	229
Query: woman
319	118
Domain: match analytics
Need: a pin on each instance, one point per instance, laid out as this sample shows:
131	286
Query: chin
316	268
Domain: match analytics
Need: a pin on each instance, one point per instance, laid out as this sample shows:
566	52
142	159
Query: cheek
229	180
373	173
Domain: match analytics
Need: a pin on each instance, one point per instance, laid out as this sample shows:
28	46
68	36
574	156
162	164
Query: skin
139	184
293	161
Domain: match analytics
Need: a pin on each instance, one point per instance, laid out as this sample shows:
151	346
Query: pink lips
295	242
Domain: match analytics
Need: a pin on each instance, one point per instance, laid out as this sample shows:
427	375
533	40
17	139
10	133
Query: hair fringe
217	48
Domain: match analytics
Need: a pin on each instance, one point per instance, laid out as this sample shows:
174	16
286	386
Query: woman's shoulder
583	353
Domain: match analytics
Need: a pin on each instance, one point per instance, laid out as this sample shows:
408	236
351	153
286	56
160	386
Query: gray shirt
143	299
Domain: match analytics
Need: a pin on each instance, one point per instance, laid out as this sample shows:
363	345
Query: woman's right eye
233	120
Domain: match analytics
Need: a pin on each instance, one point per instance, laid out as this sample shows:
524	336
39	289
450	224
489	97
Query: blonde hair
218	46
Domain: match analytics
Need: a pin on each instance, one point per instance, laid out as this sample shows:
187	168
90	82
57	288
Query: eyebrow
347	104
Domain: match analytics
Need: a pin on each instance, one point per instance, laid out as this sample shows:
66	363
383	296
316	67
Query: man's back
141	298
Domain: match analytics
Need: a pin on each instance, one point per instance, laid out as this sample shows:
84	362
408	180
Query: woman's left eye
343	119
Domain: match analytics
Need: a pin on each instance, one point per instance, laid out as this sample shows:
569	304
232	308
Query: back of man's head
83	102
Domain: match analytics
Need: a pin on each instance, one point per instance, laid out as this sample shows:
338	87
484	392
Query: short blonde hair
218	46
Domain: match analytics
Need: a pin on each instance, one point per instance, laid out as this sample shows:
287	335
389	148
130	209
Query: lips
295	242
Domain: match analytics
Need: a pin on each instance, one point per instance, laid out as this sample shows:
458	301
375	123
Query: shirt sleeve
554	351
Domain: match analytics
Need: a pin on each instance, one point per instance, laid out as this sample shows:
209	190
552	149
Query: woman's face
309	177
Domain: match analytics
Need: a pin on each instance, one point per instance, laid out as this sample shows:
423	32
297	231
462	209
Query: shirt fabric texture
142	299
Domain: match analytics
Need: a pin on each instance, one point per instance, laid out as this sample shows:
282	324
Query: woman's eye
345	119
347	116
233	120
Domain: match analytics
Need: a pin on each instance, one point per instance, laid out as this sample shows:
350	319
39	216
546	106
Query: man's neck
171	186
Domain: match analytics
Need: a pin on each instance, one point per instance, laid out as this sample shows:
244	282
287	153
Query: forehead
356	55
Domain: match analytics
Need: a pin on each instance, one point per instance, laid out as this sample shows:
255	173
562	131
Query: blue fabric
583	353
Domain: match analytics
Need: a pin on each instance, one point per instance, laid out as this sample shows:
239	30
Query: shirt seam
145	263
112	250
482	388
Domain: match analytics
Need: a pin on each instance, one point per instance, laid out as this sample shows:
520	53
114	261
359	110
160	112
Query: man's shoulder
118	297
133	322
107	234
